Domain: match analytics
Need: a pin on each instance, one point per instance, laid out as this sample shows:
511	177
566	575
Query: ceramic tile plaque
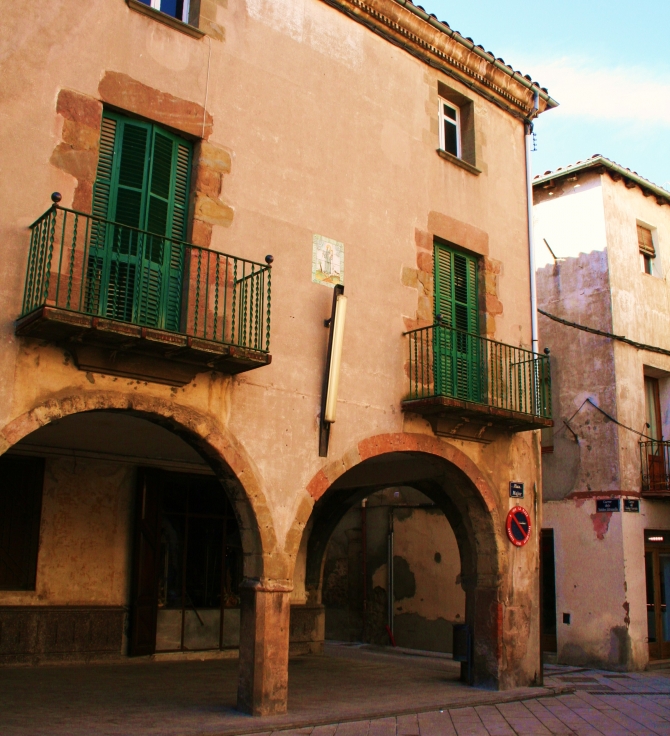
327	261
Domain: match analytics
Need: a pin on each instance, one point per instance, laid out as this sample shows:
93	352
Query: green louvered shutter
101	197
457	365
142	181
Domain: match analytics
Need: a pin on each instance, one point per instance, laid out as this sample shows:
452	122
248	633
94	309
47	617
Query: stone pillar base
264	644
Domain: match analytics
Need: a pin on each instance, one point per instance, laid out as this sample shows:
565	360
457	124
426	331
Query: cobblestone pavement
603	704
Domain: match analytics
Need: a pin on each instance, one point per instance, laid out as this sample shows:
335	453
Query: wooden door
144	596
548	602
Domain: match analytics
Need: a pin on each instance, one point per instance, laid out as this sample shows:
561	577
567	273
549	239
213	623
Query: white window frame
456	123
156	5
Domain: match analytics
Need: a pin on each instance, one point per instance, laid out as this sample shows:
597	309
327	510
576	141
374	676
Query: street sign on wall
515	489
518	526
607	505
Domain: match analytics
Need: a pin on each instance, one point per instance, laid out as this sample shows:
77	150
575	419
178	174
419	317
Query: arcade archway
452	485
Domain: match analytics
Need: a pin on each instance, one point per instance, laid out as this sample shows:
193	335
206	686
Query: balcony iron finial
56	197
269	260
547	351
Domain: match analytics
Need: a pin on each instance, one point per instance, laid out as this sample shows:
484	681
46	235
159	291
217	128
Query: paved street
603	703
371	692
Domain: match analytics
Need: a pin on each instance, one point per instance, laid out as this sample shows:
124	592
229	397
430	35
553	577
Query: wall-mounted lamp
331	381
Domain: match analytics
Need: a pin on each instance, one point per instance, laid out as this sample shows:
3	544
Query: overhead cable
611	336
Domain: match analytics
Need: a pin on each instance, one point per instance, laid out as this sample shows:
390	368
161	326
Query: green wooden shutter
456	345
100	209
142	182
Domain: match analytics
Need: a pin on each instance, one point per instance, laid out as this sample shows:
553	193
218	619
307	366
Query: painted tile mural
327	261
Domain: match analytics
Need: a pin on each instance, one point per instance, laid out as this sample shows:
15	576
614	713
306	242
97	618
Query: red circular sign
518	526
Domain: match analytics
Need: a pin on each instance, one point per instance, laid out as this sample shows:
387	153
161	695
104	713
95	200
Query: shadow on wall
427	596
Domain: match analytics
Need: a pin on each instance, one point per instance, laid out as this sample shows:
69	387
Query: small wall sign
518	526
632	505
327	261
608	505
515	489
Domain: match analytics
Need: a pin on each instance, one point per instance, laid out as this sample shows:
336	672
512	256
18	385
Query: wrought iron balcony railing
655	466
110	274
459	372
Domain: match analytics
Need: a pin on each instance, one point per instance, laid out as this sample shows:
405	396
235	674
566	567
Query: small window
645	242
21	482
450	128
175	8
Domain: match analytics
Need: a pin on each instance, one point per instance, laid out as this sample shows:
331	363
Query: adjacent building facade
219	171
603	243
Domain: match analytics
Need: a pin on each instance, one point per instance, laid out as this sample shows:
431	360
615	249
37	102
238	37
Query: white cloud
585	89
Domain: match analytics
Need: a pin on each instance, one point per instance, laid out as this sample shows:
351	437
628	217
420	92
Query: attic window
456	121
647	251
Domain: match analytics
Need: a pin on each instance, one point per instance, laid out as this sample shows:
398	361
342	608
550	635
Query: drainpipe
531	247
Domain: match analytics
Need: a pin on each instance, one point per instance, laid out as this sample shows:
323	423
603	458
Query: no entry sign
518	526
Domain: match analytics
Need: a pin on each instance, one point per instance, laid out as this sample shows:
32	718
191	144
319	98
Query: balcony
655	465
468	386
131	303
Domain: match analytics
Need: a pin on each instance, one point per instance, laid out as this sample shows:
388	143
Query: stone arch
457	486
226	457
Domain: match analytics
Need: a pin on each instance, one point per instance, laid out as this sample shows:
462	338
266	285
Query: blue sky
606	62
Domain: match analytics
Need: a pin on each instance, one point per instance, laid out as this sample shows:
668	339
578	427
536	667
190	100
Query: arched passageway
136	533
429	480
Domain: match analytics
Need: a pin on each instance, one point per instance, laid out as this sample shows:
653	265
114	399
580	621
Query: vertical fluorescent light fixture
335	358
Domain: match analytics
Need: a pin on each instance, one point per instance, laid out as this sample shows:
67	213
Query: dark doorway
549	643
187	565
657	570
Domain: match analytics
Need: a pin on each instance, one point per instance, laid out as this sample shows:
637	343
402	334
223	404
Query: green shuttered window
457	362
142	183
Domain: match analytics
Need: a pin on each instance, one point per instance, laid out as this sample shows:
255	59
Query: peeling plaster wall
598	282
593	594
428	597
582	367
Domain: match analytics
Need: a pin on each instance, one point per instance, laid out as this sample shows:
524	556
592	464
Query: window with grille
135	263
21	480
645	242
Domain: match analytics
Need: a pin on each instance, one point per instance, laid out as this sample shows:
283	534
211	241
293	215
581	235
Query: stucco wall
582	367
291	176
85	535
321	127
600	574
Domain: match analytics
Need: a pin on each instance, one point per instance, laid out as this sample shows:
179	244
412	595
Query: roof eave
601	161
549	101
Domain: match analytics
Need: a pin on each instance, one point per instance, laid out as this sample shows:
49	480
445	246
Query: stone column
264	641
487	637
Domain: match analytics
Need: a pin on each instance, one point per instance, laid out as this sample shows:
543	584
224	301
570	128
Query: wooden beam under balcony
133	351
468	420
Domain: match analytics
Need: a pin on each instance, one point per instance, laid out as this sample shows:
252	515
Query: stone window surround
467	158
202	18
77	152
442	228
